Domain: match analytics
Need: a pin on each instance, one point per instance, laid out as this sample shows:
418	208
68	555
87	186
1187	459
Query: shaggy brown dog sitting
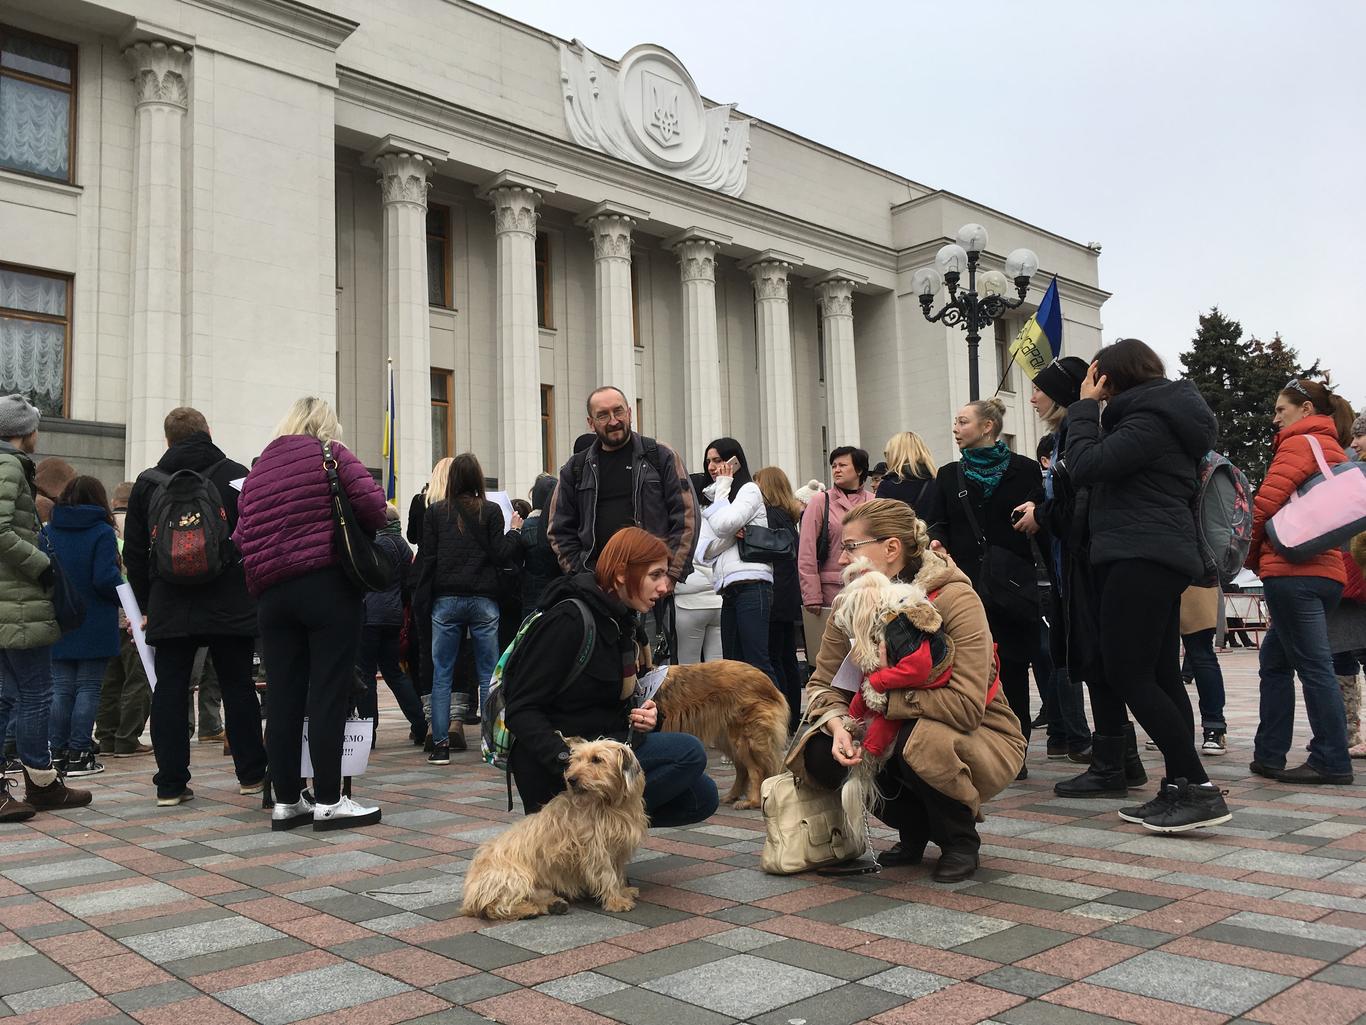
576	846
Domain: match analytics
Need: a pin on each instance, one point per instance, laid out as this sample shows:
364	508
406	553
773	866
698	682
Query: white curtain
34	128
33	362
32	293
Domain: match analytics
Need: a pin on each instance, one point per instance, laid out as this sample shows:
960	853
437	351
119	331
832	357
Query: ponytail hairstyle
1325	403
992	409
885	518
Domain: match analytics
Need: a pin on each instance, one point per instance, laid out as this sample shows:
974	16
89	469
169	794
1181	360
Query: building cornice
376	94
288	17
1009	218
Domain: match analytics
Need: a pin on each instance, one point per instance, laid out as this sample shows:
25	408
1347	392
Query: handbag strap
804	733
967	507
1324	468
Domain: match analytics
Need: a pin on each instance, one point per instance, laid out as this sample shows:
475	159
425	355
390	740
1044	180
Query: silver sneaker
291	816
345	814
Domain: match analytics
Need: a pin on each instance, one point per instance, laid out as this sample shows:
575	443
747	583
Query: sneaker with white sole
345	814
246	789
1150	745
83	763
291	816
171	800
1189	806
1215	743
1143	811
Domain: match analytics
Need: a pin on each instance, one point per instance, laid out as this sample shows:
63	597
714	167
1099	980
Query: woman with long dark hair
463	548
746	588
1140	458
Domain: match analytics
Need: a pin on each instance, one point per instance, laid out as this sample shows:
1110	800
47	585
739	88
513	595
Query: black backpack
580	460
187	525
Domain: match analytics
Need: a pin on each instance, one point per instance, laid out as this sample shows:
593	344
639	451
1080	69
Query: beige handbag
808	826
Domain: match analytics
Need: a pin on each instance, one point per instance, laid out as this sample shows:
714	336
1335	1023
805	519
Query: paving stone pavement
199	915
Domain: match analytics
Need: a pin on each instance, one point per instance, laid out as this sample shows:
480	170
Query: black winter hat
1061	379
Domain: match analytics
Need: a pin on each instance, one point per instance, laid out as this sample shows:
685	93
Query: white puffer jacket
724	520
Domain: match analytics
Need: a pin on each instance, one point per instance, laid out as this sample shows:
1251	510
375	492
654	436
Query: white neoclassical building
233	203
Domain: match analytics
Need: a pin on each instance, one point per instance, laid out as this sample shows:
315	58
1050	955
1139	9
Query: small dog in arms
577	846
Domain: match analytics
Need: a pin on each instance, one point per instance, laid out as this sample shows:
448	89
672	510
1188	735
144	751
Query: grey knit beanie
18	416
1359	426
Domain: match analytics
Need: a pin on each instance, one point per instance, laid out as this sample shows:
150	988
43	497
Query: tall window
1003	368
640	415
543	293
548	428
35	337
820	343
439	290
37	104
635	306
442	442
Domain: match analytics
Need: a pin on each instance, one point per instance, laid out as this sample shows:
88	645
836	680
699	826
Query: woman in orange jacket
1299	596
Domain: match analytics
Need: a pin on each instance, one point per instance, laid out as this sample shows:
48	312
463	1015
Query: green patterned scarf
986	466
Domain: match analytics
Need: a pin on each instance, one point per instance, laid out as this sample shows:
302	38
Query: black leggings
1140	645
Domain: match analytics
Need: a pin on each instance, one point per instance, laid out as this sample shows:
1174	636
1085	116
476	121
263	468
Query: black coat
464	557
385	608
1140	459
417	509
914	491
541	711
539	565
220	607
948	524
1065	541
787	588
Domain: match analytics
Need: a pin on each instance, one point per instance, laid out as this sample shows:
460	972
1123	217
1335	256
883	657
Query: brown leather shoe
954	866
457	735
11	808
55	796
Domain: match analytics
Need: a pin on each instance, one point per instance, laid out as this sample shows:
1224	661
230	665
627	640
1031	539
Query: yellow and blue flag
390	456
1039	342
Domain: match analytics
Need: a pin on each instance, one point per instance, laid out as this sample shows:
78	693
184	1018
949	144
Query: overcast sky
1216	149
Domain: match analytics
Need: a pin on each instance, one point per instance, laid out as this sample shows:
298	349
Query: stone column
156	364
404	179
609	225
777	379
701	349
516	200
835	295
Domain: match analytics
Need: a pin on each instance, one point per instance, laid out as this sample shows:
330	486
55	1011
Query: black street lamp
967	309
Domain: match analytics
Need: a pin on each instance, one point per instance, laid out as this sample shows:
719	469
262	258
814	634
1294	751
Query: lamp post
967	309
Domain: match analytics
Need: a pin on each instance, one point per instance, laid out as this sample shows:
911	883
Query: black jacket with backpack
220	606
385	608
541	710
462	553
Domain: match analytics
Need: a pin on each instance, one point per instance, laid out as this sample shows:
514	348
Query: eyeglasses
852	546
608	415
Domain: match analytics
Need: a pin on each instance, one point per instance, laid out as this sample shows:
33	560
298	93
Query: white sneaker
291	816
345	814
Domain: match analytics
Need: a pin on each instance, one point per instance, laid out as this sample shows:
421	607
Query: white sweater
723	520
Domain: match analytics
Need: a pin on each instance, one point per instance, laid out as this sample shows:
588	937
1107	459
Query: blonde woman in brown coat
960	744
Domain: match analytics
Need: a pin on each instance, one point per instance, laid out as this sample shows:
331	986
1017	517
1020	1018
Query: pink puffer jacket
284	526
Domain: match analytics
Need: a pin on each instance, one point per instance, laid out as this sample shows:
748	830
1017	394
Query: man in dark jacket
218	614
379	638
622	479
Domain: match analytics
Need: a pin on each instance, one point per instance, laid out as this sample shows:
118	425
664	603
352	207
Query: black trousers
912	807
241	711
310	629
782	655
1017	646
379	650
1140	646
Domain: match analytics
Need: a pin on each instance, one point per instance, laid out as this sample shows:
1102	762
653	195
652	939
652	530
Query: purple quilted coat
284	525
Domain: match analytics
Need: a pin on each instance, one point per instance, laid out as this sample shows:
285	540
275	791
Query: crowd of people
1082	563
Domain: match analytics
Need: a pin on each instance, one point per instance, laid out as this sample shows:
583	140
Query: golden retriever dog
576	846
734	707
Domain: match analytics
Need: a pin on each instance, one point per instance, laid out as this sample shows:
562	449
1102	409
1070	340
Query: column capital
161	72
769	270
404	178
516	199
835	294
610	225
697	258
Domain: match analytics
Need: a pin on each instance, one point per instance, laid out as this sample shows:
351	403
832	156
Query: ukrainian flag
1039	342
390	456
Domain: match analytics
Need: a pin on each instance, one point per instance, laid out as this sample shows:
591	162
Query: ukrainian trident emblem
662	106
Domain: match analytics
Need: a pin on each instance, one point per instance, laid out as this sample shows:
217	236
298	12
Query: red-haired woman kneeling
632	574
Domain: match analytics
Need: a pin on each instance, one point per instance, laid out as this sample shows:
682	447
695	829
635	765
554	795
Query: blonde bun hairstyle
992	409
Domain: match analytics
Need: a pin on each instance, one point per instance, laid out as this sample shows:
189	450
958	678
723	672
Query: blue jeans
1297	642
26	681
450	616
75	700
1209	678
1062	700
678	790
745	609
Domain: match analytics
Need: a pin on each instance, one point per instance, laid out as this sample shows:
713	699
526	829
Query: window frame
47	318
545	292
448	377
548	428
820	344
1004	364
69	88
636	339
448	282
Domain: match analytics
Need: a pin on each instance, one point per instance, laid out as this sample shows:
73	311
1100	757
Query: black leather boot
1134	773
1104	777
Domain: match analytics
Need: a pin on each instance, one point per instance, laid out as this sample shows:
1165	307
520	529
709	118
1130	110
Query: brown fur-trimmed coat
964	750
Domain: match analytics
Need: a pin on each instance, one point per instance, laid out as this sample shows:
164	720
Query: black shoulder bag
768	544
823	538
363	561
1006	583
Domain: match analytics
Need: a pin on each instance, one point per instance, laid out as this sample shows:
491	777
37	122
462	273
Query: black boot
1104	777
1134	773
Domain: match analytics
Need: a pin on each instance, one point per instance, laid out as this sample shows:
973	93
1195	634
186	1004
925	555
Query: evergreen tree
1240	381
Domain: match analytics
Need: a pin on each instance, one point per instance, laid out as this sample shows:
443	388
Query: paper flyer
134	614
355	748
647	686
502	501
849	677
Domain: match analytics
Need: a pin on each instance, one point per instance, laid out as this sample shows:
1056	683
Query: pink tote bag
1325	512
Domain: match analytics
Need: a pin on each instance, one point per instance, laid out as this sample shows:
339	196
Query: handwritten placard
356	740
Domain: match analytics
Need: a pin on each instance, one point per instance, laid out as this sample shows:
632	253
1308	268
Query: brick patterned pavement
199	915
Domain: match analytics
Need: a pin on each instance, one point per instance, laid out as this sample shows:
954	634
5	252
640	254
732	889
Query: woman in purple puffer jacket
310	613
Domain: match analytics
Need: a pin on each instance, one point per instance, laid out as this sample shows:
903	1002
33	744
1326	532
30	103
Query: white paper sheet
849	677
134	614
237	484
647	686
502	501
355	748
